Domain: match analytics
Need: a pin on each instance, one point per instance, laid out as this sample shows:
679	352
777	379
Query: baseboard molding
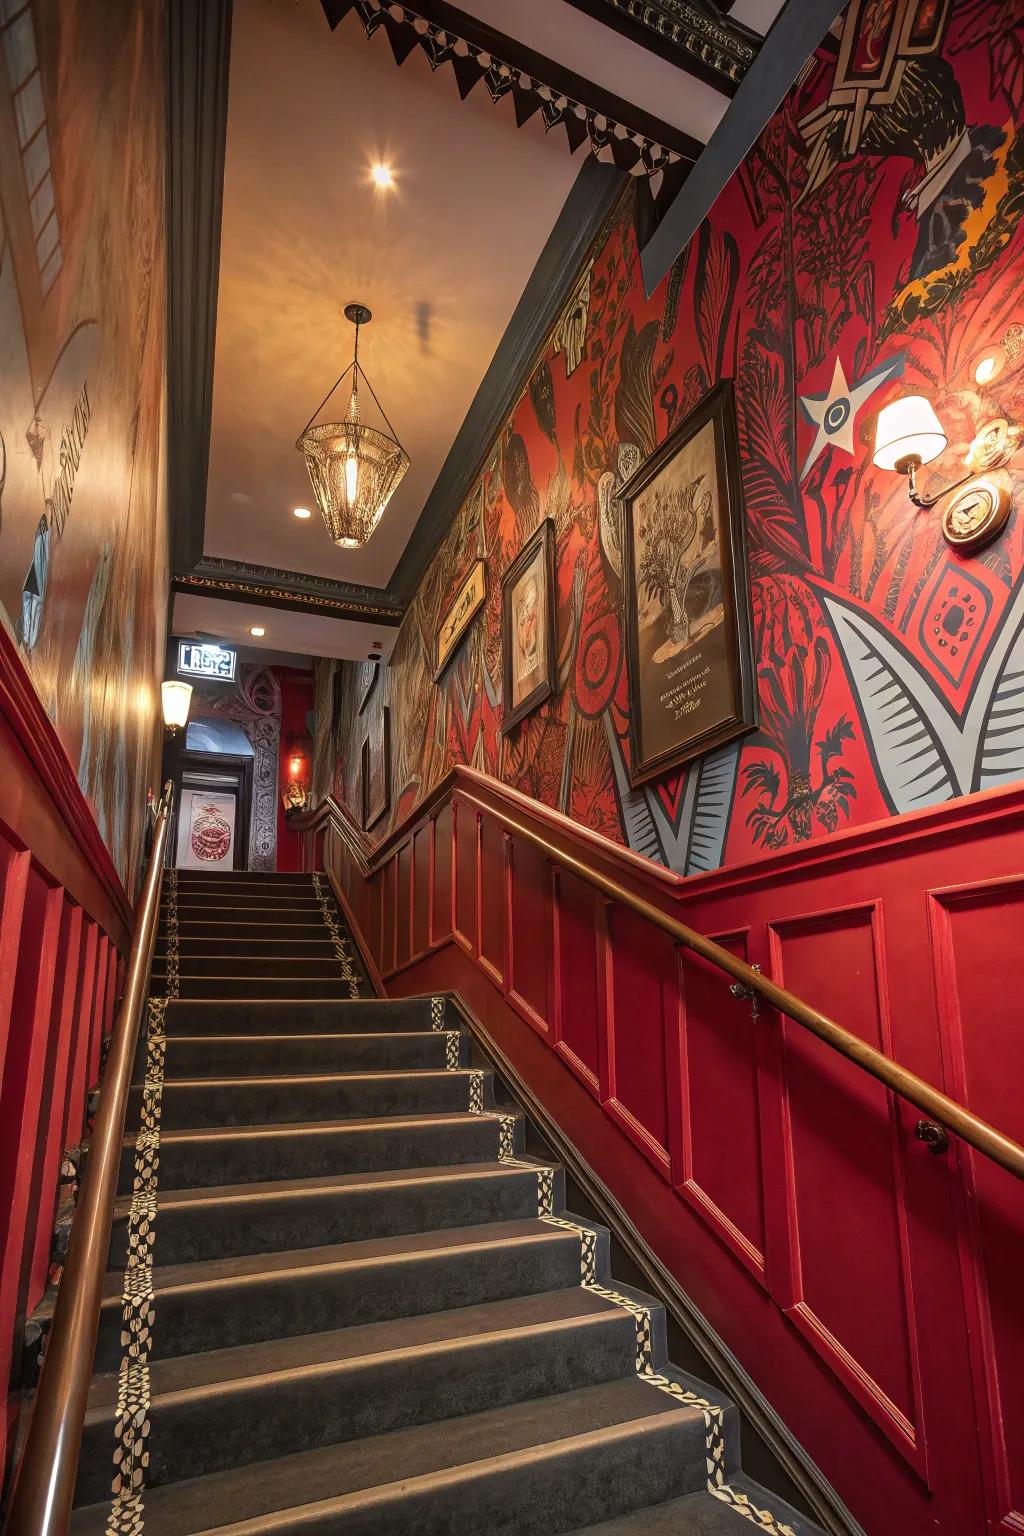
824	1503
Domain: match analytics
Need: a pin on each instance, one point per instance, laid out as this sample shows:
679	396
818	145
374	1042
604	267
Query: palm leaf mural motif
924	750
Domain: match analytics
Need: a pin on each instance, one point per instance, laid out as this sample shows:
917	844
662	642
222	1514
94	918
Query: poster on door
206	832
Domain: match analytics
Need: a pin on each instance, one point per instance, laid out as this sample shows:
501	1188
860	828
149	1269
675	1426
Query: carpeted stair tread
359	1050
263	1016
625	1437
394	1337
214	1155
201	1101
288	1213
216	1303
709	1514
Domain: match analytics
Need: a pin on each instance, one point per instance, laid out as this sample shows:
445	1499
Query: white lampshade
176	699
908	429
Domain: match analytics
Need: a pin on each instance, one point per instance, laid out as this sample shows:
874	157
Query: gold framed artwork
528	627
686	592
469	600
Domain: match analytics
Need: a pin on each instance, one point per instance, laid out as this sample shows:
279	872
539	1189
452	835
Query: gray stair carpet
342	1298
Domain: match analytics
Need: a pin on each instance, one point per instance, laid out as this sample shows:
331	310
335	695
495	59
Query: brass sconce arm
909	467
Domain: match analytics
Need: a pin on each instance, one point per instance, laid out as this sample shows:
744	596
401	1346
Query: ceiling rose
354	469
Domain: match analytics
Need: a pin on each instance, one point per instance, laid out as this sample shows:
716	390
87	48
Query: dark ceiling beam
198	52
797	31
693	35
527	61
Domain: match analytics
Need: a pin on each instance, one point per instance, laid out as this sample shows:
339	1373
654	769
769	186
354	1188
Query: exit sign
214	661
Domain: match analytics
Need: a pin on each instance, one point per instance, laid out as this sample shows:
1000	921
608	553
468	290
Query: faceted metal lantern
354	469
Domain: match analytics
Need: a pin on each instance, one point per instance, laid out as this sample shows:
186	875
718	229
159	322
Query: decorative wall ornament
686	594
255	703
612	141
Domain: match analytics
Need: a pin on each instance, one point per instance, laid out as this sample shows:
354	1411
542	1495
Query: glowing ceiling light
381	175
353	469
301	512
257	631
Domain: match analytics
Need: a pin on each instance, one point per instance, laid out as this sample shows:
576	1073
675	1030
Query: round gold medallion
977	513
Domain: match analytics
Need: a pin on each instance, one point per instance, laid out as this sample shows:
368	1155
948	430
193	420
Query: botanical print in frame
687	595
377	770
467	605
528	626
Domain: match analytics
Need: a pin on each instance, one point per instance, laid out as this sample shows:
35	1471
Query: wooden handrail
44	1485
936	1105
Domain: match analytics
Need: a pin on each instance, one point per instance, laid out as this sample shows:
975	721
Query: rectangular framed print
468	602
686	594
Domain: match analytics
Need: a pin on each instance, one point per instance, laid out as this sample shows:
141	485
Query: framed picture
468	602
687	595
528	626
376	770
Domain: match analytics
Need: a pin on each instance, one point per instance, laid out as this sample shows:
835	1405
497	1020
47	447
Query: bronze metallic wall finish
83	556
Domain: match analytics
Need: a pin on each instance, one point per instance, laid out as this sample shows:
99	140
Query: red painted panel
491	885
464	904
421	889
641	971
978	990
85	1005
53	1120
99	1010
849	1257
403	908
721	1046
441	892
15	869
576	975
389	917
530	931
373	919
21	1096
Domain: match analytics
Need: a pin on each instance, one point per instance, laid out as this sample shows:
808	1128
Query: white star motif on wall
835	413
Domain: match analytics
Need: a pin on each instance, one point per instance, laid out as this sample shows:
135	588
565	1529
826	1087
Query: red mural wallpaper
83	544
871	245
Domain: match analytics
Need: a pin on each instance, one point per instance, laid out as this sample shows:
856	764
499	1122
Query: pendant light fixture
354	469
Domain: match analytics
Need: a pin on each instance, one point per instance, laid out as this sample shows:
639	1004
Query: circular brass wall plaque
977	513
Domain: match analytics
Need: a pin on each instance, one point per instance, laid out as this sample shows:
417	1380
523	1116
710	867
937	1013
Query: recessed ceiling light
381	175
257	631
302	512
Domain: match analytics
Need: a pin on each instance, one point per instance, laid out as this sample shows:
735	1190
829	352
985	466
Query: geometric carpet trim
138	1311
341	950
713	1414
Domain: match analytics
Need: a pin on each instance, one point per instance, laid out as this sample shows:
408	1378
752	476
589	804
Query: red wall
816	258
871	1288
296	705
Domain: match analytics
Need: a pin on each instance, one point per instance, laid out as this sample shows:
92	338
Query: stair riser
334	1016
325	989
219	885
534	1494
286	945
197	905
227	1229
241	1057
254	929
241	1423
280	967
306	1155
275	1306
295	1100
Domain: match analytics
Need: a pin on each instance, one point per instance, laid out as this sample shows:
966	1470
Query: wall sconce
910	435
176	698
295	795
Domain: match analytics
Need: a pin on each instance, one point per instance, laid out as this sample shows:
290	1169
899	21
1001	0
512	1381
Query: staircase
341	1298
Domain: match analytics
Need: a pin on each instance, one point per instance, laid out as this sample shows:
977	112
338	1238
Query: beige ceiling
442	262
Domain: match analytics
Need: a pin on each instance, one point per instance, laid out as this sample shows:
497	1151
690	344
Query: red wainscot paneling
870	1287
64	921
978	994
